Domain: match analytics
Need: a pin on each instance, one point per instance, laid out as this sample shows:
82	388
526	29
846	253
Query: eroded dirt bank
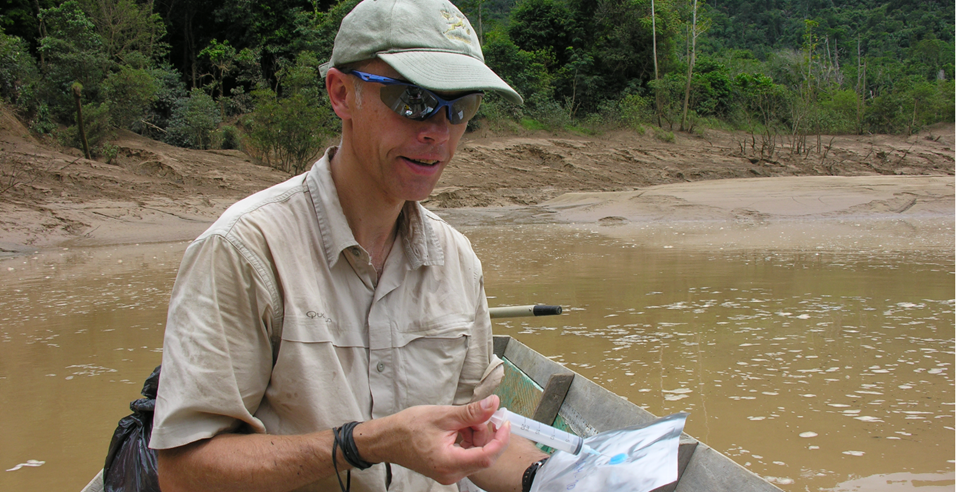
153	192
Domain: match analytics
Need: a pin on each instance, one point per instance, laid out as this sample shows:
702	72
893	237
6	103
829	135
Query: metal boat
539	388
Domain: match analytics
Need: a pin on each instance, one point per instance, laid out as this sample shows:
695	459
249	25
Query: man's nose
436	129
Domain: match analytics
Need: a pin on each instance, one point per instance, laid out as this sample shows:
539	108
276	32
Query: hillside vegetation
241	74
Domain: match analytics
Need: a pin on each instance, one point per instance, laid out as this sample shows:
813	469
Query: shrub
96	127
193	121
42	122
169	96
131	91
635	110
285	134
663	135
226	138
108	151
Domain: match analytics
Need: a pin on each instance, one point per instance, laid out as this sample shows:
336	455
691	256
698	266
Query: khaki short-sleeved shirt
278	324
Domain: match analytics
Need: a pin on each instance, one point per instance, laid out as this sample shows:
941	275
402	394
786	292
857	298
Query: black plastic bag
131	466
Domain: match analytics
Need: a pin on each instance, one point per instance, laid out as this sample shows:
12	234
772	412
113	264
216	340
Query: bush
194	121
131	91
663	135
170	94
285	134
635	110
42	122
226	137
96	127
107	151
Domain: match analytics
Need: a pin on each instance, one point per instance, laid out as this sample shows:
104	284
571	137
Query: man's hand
445	443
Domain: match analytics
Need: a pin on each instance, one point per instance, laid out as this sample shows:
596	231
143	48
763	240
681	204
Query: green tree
223	61
20	18
525	71
127	27
545	26
18	70
73	52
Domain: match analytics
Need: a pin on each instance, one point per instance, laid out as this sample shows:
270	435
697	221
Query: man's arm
425	439
506	473
248	462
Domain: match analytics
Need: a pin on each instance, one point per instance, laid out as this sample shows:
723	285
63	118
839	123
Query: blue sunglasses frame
417	103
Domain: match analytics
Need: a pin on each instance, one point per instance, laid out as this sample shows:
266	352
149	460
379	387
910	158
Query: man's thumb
479	412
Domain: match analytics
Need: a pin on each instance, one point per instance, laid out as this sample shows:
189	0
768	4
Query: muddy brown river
818	370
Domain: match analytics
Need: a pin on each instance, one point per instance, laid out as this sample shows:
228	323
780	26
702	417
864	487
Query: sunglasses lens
409	101
419	104
462	109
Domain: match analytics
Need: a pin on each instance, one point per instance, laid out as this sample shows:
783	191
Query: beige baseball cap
428	42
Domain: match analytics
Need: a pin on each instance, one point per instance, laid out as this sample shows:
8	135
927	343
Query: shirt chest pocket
430	357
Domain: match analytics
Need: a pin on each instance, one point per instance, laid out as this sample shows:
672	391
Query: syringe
537	432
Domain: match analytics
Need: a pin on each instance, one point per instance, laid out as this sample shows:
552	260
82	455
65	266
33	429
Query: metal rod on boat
519	311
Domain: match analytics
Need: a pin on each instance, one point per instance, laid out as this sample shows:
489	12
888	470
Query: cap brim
445	71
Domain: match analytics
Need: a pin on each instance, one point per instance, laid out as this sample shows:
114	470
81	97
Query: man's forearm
423	439
248	462
506	473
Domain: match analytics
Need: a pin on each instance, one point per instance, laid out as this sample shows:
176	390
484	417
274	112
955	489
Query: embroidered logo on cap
459	28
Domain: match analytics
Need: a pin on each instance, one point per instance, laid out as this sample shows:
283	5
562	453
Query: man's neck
372	219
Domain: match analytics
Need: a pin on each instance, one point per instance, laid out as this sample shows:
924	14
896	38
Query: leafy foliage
288	132
765	66
18	70
194	121
73	52
127	28
131	91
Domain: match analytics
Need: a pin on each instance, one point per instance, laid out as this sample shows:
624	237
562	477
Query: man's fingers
478	413
480	457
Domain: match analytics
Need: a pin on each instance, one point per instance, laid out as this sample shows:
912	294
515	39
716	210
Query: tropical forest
242	74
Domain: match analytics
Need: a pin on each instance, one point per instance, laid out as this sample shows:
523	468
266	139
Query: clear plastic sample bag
635	459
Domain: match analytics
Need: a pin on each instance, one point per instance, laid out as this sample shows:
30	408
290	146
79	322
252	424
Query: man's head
422	60
430	43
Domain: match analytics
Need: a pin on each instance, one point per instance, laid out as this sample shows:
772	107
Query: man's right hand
446	443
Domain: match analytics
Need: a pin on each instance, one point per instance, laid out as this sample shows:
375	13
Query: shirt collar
421	246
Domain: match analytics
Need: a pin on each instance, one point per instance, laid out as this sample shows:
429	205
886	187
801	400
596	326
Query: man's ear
340	90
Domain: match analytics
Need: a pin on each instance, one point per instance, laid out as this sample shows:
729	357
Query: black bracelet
349	447
529	473
336	444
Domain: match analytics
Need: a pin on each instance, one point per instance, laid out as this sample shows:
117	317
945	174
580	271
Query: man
335	297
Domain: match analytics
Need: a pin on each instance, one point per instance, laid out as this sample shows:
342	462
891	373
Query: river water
817	370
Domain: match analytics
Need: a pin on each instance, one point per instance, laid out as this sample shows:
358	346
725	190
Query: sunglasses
416	103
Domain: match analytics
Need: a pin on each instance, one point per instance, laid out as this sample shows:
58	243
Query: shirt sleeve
217	352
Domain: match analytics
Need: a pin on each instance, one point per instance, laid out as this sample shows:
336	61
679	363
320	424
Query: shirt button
380	366
355	251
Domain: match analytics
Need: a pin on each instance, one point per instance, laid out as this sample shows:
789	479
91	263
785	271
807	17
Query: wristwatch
529	473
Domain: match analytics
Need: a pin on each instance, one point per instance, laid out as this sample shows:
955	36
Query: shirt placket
383	365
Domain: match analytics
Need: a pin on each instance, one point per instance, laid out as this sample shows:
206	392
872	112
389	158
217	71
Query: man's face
402	159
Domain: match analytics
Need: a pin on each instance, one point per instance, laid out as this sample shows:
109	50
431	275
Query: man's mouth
420	162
